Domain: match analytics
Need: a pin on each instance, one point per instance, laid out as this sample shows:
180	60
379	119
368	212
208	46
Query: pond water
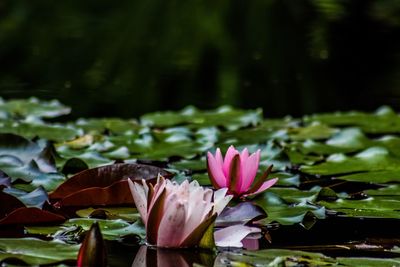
126	58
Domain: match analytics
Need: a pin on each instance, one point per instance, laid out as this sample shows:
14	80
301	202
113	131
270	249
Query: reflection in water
153	257
162	257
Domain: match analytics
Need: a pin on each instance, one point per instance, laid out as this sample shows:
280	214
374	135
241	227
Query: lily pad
34	251
371	159
22	108
224	116
110	229
384	120
112	213
111	125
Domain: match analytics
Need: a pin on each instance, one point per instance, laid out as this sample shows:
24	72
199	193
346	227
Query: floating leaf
112	213
117	193
113	125
34	251
384	120
26	216
371	159
313	131
53	132
110	229
34	107
224	116
106	176
35	198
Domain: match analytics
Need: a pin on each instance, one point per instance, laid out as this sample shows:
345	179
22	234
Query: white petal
233	235
140	198
220	200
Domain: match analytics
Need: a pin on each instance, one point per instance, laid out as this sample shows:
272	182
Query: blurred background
124	58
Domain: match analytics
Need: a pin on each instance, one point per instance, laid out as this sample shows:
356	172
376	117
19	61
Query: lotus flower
177	215
237	172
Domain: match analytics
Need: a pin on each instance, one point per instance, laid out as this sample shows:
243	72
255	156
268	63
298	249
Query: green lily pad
283	257
53	132
177	142
224	116
347	141
372	177
113	125
36	252
273	257
287	214
373	207
35	198
313	131
384	120
33	107
371	159
124	213
111	229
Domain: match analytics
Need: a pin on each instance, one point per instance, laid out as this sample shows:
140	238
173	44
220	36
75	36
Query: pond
127	58
336	200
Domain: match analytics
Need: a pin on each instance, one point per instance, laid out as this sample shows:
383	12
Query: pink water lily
237	172
177	215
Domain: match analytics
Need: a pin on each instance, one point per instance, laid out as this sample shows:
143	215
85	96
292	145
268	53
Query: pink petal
250	171
140	199
158	189
140	258
170	229
218	157
228	159
215	171
264	186
244	155
235	176
197	217
232	236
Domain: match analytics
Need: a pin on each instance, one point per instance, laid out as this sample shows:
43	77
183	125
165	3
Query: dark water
124	58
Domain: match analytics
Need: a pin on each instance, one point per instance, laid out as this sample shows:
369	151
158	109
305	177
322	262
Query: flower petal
249	170
233	235
228	158
244	155
258	183
140	199
218	157
215	172
154	216
263	187
170	229
221	200
235	178
199	211
140	258
158	189
194	238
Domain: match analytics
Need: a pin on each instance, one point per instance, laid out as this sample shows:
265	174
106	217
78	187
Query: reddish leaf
8	203
105	176
25	215
116	194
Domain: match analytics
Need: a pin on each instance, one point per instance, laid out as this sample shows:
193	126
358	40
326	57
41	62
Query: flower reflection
161	257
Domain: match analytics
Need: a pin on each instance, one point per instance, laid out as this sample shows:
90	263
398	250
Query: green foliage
328	166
